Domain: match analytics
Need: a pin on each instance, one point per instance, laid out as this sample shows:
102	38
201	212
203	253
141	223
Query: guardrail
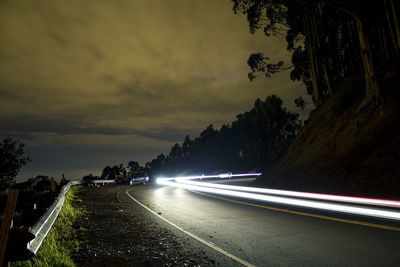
102	182
41	228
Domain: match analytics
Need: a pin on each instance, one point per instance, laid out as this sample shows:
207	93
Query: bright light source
374	212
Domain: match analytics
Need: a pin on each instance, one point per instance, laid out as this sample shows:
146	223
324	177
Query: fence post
53	186
7	219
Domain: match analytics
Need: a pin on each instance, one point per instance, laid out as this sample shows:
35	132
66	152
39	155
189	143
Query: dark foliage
38	183
259	64
90	177
34	197
255	140
109	173
11	161
300	102
332	42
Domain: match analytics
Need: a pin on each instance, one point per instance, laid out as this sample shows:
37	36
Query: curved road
267	237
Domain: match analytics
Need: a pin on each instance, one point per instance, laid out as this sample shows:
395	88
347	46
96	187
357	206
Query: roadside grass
60	243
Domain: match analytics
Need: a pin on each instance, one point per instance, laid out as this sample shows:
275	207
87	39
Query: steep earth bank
345	150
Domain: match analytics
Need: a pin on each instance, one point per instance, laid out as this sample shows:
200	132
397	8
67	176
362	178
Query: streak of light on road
328	197
337	207
223	175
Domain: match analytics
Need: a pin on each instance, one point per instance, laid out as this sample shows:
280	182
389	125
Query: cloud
22	127
153	69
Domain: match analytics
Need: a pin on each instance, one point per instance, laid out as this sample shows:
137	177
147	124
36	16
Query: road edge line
220	250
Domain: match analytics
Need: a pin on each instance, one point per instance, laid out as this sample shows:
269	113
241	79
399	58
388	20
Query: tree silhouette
11	161
255	140
300	103
110	173
332	42
134	165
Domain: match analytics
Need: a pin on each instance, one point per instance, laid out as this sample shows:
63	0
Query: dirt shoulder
117	233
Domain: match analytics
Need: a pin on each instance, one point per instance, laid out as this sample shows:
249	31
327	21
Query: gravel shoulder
115	231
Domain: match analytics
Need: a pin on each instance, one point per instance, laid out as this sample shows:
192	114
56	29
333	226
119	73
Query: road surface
266	237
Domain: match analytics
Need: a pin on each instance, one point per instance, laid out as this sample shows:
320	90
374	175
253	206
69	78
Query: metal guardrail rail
42	227
103	182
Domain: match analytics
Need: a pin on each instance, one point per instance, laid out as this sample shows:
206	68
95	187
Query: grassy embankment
60	243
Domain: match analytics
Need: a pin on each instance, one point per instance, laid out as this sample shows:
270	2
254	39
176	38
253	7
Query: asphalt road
266	237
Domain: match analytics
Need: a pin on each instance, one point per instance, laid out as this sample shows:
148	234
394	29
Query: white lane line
220	250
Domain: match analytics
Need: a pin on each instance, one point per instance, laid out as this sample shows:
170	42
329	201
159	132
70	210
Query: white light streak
327	197
225	175
365	211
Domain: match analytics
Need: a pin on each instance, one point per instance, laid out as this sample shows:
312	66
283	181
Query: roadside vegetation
61	242
347	56
34	197
11	161
255	141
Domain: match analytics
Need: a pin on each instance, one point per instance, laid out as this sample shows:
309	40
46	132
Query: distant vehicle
132	178
139	180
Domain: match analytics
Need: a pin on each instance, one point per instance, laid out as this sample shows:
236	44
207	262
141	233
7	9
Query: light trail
223	175
374	212
327	197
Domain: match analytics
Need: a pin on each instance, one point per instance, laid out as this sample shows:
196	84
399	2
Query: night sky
87	84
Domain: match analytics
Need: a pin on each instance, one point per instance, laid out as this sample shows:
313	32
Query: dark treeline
254	141
337	46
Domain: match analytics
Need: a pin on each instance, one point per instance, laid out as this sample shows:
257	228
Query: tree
255	140
134	165
157	164
265	132
187	146
333	42
90	177
300	103
41	183
258	63
11	161
176	152
109	173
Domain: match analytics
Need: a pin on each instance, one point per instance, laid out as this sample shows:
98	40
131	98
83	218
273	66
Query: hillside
346	151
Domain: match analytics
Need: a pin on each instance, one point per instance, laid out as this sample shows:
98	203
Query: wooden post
63	179
7	219
53	186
